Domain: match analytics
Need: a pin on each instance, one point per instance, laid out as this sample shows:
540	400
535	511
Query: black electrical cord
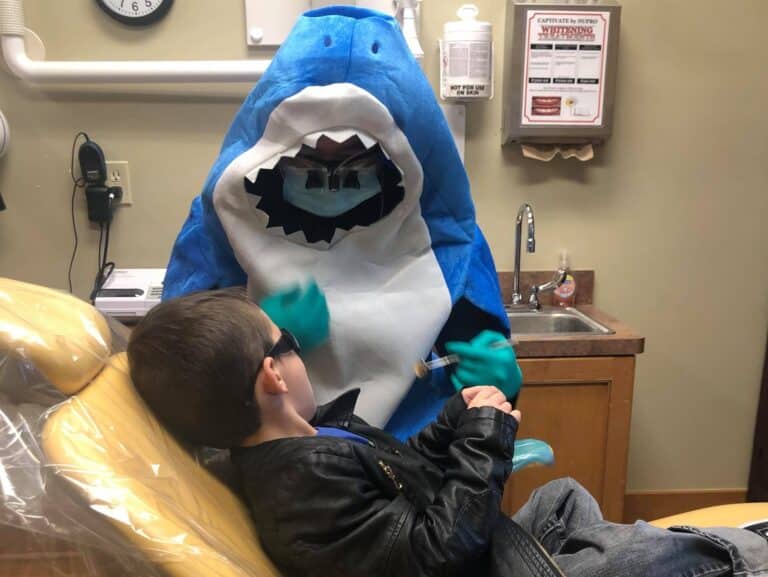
77	183
105	267
74	248
101	243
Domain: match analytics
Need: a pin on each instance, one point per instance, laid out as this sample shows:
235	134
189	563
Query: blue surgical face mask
321	199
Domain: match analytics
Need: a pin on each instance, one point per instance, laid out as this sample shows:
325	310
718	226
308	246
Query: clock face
136	12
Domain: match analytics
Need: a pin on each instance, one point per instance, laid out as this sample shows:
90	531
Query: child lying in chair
331	495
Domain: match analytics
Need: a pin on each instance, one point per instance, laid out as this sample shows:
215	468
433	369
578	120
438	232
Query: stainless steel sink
554	321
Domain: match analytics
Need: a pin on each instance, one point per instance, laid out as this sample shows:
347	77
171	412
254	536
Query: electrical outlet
119	175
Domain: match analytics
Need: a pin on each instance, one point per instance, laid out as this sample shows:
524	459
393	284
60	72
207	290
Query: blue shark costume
402	262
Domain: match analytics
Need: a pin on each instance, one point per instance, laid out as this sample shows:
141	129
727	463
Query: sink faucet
533	301
526	210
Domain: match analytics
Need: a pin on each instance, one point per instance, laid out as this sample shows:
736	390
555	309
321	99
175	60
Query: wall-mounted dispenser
466	57
560	65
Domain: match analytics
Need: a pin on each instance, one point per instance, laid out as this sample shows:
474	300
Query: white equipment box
269	22
129	293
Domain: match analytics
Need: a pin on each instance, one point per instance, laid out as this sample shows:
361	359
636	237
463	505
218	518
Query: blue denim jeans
567	521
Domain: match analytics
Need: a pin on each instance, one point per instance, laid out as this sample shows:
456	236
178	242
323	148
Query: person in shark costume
340	167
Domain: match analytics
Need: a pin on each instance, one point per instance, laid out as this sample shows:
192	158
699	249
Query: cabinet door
582	407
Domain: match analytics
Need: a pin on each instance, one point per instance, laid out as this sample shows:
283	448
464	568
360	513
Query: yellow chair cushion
109	446
65	338
722	516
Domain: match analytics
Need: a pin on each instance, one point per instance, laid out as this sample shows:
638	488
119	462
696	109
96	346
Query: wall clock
136	12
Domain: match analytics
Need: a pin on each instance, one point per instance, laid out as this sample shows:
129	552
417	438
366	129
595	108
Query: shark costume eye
333	185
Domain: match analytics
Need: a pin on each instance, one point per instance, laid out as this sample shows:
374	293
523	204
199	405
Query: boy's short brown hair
194	361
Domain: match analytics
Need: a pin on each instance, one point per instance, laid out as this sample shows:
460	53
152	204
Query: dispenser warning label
565	60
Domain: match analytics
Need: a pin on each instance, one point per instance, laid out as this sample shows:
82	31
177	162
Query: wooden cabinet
582	407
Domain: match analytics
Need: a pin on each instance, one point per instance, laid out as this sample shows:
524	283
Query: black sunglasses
285	344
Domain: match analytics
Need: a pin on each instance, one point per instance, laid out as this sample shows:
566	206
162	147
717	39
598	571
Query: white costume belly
386	293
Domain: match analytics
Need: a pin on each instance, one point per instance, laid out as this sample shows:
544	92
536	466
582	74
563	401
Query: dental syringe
423	368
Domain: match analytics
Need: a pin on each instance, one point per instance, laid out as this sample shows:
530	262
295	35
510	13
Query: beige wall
669	215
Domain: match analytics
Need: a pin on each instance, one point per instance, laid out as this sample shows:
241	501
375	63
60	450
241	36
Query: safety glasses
345	174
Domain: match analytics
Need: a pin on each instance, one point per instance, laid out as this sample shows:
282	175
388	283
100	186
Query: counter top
623	342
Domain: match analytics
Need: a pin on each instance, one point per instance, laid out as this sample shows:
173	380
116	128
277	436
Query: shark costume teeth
310	140
327	186
401	267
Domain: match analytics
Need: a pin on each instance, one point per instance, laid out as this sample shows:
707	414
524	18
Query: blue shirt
341	433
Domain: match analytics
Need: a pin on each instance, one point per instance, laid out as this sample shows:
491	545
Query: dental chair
104	445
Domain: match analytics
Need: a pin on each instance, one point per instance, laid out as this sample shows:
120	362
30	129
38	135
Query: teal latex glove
301	310
482	364
532	452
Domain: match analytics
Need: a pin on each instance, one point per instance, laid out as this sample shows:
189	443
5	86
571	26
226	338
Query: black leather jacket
325	506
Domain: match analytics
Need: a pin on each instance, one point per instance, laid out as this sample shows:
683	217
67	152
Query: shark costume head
340	167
